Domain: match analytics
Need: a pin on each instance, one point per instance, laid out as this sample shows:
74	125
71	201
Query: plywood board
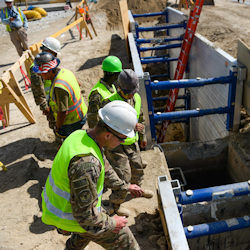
243	56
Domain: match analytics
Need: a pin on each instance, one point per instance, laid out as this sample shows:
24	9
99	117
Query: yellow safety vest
66	80
102	90
6	14
56	206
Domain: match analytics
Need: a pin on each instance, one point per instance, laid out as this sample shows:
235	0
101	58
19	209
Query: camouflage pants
108	240
127	163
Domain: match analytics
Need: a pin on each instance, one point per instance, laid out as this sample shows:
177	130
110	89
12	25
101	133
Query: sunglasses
118	137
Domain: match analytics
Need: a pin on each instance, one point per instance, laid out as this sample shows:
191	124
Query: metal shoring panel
175	228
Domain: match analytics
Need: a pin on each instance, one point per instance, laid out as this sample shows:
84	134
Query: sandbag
41	11
32	14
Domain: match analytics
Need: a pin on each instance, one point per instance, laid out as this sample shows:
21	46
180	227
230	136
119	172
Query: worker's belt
15	28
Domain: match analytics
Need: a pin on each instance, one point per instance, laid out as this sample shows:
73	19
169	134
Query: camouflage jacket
83	174
95	103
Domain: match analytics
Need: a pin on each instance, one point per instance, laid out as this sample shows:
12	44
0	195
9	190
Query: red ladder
182	61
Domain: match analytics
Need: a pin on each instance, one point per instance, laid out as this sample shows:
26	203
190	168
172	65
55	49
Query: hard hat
128	81
112	64
52	44
9	1
44	62
120	116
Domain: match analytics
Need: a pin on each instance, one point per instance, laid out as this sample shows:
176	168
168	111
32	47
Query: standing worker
65	100
40	88
72	196
126	158
17	25
112	67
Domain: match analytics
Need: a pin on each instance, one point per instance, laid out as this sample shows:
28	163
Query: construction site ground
28	150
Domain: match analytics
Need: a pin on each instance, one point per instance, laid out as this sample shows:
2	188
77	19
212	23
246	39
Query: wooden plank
243	56
85	25
125	21
58	33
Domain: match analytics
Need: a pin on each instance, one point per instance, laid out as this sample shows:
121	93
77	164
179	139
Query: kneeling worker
73	192
65	99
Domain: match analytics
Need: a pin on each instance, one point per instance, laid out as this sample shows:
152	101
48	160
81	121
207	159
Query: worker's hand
139	127
135	190
143	144
46	111
12	19
121	222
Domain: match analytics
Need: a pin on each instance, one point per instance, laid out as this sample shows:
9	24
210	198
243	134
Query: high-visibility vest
47	85
137	107
102	90
66	80
6	14
56	206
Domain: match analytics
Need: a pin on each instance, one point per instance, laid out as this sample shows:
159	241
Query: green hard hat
112	64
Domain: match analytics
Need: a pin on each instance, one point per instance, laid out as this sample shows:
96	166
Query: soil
28	150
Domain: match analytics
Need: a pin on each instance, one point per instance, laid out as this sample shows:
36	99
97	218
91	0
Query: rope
25	78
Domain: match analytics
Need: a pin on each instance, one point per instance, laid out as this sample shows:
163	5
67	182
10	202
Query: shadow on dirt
117	48
148	231
41	149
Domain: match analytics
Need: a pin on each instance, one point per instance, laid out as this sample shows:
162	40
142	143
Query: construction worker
17	25
126	158
112	67
65	100
40	88
71	199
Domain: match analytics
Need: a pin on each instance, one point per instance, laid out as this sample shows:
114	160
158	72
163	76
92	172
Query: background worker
73	191
41	88
126	157
17	25
112	67
65	100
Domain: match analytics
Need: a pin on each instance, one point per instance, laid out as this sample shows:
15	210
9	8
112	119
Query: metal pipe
156	60
162	98
189	113
149	14
161	47
215	193
187	83
217	227
159	40
161	27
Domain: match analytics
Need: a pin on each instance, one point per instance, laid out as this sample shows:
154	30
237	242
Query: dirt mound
136	6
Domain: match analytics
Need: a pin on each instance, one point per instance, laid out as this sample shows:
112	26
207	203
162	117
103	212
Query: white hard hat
120	116
52	44
9	1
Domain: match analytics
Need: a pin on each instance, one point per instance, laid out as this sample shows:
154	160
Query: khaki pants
19	39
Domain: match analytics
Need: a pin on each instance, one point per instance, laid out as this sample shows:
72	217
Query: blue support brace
161	47
149	14
159	40
217	227
187	83
156	60
161	27
189	113
215	193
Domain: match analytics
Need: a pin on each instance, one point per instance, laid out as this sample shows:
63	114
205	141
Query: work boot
121	211
147	193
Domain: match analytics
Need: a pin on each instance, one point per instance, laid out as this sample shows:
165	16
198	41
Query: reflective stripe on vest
102	90
57	210
77	108
6	14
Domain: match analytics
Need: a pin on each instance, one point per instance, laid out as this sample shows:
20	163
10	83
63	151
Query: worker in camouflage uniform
126	158
112	67
71	199
65	99
40	88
